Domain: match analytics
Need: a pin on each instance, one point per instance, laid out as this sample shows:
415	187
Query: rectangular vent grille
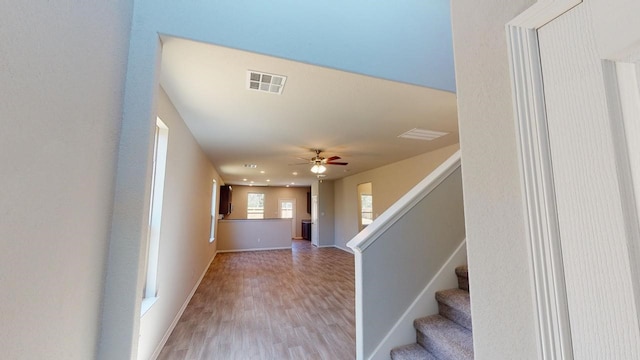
421	134
259	81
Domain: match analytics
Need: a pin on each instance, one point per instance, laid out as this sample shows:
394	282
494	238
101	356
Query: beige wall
62	71
503	312
271	197
185	251
388	184
254	234
326	214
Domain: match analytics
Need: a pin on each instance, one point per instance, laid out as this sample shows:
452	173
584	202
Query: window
155	214
214	201
365	204
367	209
255	206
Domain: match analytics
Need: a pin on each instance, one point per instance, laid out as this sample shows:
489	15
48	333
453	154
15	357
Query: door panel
596	239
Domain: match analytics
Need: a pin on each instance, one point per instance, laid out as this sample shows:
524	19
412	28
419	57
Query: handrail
382	223
411	241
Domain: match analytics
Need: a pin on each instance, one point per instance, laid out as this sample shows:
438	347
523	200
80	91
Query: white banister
402	251
404	204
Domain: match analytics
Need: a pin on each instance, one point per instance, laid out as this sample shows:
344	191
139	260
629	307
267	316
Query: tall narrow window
365	204
255	206
155	213
214	201
367	209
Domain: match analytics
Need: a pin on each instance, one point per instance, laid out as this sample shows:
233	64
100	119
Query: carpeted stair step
443	338
455	305
463	277
411	352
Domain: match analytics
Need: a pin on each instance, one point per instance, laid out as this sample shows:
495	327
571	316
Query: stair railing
401	250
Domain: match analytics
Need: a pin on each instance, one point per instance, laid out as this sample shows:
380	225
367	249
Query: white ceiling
352	116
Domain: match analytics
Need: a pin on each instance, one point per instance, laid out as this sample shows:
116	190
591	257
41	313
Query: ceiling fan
319	162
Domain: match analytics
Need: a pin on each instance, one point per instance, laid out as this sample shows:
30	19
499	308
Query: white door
287	210
590	56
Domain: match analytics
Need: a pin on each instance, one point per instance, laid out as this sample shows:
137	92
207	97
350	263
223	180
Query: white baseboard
255	249
403	332
324	246
156	353
343	249
335	246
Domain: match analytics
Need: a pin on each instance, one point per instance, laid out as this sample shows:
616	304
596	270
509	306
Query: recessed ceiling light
287	185
268	180
295	173
251	182
244	179
261	171
421	134
265	82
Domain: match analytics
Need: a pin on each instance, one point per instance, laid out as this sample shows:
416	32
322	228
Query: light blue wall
407	41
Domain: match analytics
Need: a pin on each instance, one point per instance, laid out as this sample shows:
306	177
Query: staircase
446	335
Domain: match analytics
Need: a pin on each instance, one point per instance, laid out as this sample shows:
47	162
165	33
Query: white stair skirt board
425	303
343	249
160	346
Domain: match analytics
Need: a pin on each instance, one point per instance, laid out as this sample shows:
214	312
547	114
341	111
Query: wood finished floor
278	304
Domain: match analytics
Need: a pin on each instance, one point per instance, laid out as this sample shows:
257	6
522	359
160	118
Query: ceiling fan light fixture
318	169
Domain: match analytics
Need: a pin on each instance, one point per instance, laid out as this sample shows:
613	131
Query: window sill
147	303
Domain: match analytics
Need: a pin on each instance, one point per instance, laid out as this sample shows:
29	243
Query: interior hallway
278	304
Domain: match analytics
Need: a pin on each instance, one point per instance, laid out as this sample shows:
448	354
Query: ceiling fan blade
337	163
333	158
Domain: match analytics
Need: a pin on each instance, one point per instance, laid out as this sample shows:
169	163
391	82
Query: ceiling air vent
259	81
421	134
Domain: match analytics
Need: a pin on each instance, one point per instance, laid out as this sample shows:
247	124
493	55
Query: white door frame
537	176
315	233
541	221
